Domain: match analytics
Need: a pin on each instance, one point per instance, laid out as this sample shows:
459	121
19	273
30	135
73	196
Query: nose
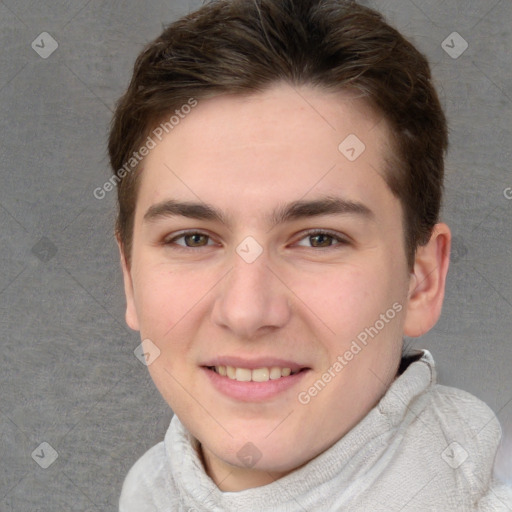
251	300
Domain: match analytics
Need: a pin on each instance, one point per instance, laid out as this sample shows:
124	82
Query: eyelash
342	241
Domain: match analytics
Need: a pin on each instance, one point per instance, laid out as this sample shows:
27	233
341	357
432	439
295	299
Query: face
263	248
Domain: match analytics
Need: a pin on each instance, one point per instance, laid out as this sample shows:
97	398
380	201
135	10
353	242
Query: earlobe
428	282
131	312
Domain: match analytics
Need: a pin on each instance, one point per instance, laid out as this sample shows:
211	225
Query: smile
256	375
258	384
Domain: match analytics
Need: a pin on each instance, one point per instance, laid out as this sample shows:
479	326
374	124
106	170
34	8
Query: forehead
281	144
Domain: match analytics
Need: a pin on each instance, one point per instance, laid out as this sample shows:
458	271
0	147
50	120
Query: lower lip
253	391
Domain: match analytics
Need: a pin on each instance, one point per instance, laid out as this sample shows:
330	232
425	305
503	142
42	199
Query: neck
231	478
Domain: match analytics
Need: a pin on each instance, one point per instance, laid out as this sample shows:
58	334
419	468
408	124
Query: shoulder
145	481
451	411
457	424
460	437
462	413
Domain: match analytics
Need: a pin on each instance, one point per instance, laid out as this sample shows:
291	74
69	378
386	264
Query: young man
279	168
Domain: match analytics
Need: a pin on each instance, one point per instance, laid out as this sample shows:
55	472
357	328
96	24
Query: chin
272	457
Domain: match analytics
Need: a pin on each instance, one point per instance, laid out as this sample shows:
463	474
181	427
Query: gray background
68	375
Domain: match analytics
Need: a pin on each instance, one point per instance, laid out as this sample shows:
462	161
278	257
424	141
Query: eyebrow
292	211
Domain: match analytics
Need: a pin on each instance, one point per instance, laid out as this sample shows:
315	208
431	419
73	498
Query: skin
305	298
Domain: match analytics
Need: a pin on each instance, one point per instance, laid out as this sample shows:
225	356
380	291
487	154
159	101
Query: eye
323	239
317	239
191	239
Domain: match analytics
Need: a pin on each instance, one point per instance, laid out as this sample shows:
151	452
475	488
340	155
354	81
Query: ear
131	312
428	280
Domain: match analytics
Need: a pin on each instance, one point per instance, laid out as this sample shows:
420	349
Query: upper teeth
256	375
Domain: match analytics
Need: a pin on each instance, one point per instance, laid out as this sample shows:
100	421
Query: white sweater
424	447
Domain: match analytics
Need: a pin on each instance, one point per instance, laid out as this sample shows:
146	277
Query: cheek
347	299
163	297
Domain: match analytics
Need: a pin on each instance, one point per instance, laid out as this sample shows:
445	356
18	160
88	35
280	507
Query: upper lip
252	364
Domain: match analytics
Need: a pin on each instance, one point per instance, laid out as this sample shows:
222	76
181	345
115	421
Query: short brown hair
244	46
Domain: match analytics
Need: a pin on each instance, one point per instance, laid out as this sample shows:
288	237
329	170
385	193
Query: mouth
263	374
257	384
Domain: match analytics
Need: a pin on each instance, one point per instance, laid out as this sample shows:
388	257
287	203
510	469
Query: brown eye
195	240
189	239
322	239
